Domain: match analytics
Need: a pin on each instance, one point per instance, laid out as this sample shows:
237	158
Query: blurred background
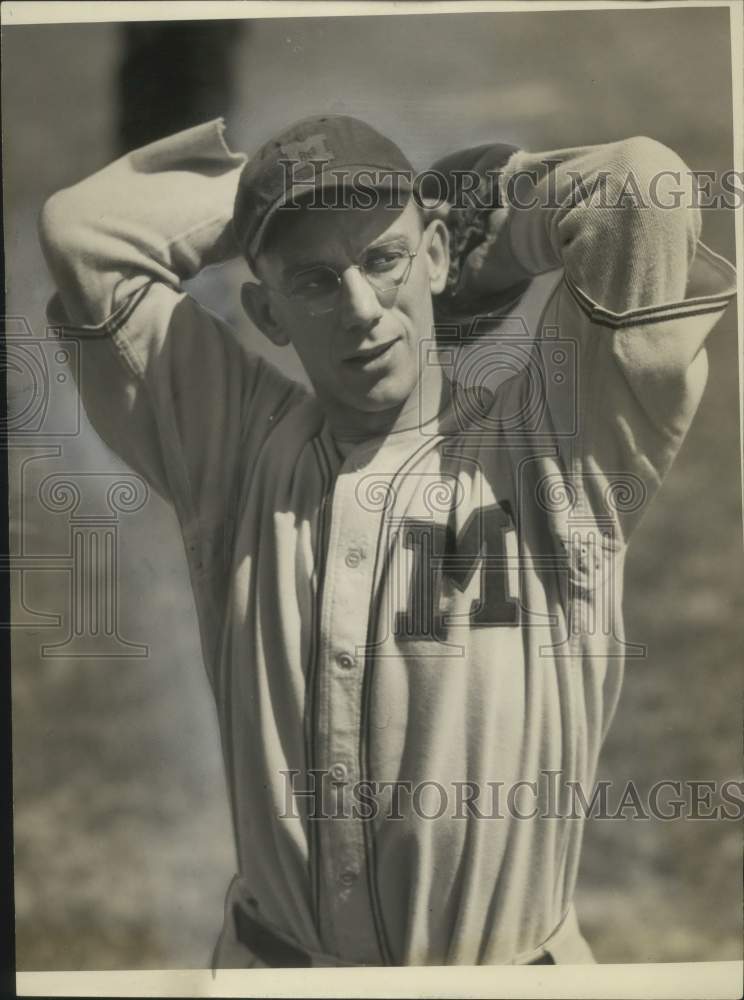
122	837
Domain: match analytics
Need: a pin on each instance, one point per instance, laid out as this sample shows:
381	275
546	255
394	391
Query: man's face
363	356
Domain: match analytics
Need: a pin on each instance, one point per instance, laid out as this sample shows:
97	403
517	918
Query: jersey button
353	558
348	876
346	660
339	772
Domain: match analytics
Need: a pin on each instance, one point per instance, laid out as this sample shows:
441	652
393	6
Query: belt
267	946
277	953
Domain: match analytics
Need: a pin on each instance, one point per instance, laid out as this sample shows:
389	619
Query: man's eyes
383	259
314	281
317	280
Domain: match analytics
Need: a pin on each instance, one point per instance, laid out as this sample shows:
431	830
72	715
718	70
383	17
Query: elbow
50	222
648	158
656	181
58	228
646	210
641	151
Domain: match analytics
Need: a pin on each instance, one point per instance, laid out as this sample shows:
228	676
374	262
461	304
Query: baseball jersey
415	644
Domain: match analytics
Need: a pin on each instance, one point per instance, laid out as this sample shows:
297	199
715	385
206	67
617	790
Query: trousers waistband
278	953
272	948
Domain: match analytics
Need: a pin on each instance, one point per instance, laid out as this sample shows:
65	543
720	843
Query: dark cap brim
294	196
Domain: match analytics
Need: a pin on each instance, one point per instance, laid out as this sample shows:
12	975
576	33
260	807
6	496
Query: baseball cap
327	151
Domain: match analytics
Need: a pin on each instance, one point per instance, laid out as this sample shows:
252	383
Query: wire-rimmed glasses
318	288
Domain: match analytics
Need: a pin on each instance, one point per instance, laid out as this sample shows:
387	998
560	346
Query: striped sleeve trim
111	325
700	306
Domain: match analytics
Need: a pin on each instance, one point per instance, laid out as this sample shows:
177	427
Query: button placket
360	505
347	921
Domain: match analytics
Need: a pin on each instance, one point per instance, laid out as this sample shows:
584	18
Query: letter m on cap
312	148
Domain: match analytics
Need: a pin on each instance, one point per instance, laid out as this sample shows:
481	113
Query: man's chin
372	410
368	415
382	399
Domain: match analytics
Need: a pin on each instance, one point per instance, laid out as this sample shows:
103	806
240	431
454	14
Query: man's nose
360	306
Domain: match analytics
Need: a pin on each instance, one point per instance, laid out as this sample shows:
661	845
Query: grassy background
123	845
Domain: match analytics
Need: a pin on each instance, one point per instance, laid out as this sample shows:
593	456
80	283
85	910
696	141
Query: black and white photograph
373	438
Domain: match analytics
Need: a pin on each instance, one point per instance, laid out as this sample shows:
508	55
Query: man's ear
257	305
438	255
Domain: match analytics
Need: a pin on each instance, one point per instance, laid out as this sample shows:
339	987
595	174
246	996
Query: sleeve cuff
710	288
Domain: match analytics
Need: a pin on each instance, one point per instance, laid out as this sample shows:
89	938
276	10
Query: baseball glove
474	220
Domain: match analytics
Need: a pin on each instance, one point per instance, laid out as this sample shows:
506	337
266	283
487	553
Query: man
408	584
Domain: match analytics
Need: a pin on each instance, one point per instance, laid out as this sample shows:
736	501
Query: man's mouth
364	359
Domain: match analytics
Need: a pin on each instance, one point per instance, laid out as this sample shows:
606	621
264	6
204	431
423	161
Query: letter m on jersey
444	564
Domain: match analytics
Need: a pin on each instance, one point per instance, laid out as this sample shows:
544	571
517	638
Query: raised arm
639	295
159	214
165	383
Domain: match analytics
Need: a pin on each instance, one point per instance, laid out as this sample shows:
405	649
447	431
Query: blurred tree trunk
173	74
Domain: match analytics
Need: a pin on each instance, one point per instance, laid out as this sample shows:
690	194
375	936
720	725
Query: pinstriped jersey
415	644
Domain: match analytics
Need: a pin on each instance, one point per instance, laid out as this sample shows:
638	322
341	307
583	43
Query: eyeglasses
318	288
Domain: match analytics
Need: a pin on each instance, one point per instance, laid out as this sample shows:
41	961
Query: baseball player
408	581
